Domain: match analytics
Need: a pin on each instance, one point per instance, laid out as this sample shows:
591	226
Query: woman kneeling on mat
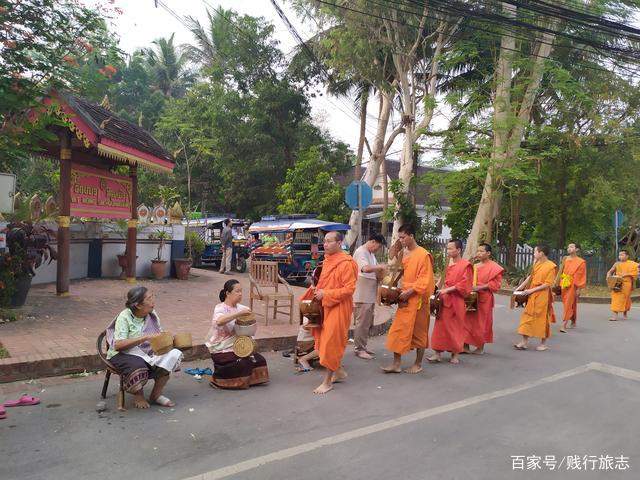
230	370
130	352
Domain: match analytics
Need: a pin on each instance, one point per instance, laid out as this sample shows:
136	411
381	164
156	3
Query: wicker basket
244	346
246	319
182	340
161	343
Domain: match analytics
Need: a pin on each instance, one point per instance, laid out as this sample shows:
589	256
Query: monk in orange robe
334	290
538	315
628	270
410	327
573	278
449	331
479	324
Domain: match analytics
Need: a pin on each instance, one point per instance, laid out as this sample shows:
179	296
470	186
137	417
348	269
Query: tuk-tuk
294	241
212	254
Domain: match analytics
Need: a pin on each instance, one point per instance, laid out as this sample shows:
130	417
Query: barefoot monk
621	298
573	279
410	327
479	324
538	315
449	331
335	291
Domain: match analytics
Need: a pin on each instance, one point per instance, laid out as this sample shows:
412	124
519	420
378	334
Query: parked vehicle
211	229
294	241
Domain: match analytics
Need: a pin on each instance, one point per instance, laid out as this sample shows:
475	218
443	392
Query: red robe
449	331
338	283
479	324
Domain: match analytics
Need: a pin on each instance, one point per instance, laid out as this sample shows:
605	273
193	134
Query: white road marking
406	419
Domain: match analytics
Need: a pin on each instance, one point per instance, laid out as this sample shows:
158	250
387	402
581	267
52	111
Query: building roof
113	136
423	190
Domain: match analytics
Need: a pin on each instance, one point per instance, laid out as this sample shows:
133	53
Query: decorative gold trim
65	154
132	223
115	154
64	221
57	110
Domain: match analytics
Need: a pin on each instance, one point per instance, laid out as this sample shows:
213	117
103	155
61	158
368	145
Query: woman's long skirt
233	372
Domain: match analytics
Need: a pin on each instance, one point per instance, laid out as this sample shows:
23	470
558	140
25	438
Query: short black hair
457	242
486	246
576	244
543	248
227	221
378	238
624	250
408	229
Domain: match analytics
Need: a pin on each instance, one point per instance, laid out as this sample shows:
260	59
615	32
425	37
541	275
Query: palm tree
167	64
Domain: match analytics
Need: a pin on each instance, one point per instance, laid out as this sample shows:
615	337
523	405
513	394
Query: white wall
79	255
145	249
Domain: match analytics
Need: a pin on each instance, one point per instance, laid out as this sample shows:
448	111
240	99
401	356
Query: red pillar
132	224
64	219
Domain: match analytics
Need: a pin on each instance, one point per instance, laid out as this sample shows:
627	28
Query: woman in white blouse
231	371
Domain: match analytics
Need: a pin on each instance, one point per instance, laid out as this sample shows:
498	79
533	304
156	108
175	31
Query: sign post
358	196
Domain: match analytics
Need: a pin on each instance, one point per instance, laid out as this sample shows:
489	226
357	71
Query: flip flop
301	370
562	330
518	347
3	412
23	401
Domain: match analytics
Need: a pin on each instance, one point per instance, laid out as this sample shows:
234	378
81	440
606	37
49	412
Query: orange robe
479	324
621	301
449	331
575	275
410	327
538	315
338	282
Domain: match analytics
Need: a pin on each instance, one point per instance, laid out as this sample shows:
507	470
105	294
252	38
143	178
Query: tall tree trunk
516	201
378	152
509	126
364	102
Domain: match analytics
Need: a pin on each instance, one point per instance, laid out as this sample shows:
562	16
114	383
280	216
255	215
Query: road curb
38	366
596	300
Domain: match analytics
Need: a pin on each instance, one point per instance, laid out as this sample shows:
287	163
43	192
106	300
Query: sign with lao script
99	193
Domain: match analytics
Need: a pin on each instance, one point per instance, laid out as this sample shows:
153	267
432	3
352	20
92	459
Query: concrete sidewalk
57	335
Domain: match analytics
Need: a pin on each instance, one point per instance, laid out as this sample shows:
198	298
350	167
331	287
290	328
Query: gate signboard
99	193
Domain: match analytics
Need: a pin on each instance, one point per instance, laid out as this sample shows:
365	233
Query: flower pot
19	297
159	269
183	265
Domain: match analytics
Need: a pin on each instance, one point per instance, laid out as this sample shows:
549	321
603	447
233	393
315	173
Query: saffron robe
479	324
574	276
410	327
538	315
621	301
449	331
338	283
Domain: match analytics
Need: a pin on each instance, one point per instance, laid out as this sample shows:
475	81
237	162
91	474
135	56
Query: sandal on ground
163	401
562	330
24	400
519	347
301	370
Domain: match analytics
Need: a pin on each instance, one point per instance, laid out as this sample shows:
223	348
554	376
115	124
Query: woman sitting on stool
130	352
230	370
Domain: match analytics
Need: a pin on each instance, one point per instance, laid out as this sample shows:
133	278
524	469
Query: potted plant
121	228
158	265
28	246
193	248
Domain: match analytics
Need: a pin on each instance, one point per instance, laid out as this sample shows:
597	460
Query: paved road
450	422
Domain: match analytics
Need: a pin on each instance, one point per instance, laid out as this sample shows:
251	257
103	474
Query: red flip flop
23	401
3	412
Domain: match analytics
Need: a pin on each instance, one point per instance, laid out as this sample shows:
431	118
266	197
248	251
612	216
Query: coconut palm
167	64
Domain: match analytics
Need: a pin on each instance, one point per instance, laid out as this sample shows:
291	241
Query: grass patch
7	316
4	353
